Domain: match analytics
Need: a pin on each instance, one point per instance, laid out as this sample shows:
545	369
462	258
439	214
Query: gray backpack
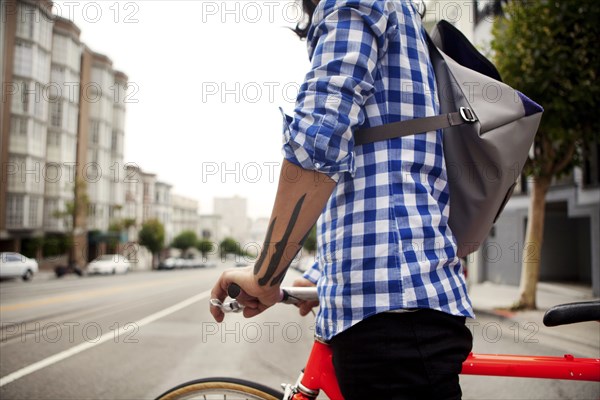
488	130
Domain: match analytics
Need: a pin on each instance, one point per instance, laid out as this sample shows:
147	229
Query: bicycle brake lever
227	307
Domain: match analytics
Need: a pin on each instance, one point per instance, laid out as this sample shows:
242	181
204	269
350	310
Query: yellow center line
83	295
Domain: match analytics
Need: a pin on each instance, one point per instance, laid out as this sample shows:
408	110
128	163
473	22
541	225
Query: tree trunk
72	259
532	249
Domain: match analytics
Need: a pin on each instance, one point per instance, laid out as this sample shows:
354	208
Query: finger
216	313
307	306
252	312
302	282
219	293
305	309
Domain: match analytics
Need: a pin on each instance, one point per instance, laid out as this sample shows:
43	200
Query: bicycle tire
221	389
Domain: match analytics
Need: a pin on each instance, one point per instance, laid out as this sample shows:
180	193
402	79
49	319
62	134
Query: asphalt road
134	336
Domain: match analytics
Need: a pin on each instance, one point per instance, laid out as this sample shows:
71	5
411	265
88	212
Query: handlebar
289	295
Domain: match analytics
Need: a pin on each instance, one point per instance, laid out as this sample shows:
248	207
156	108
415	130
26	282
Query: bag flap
455	45
493	102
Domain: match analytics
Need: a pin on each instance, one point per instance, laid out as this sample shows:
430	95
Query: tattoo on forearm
305	237
279	278
279	248
265	250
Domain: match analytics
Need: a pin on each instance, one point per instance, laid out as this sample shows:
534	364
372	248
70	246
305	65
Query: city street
136	335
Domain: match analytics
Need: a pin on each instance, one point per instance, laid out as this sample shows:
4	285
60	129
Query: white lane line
46	362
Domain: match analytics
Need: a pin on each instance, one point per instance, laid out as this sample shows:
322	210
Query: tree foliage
73	210
185	240
230	246
549	51
205	246
152	235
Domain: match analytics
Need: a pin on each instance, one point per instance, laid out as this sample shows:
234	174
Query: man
392	292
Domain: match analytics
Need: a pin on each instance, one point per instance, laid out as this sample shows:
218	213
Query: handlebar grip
234	290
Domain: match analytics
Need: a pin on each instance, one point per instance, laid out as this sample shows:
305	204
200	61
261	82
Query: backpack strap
414	126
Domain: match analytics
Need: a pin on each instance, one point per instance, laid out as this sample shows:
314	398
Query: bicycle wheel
221	389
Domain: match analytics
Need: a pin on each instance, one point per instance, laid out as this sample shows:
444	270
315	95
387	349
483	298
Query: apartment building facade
62	141
184	215
104	164
233	213
27	48
62	130
147	197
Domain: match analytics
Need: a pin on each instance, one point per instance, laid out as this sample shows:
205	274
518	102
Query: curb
502	314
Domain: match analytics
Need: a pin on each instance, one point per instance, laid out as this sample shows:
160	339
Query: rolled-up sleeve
345	42
313	274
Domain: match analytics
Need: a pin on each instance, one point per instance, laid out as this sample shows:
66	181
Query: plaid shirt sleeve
344	43
313	274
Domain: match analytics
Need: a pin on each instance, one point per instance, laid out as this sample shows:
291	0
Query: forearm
301	196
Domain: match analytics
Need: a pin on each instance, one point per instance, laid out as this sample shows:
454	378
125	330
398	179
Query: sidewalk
494	300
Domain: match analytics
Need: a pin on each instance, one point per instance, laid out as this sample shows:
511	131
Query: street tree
205	246
69	215
152	236
184	241
549	50
229	246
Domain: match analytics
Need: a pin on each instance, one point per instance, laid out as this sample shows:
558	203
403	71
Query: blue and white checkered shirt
383	237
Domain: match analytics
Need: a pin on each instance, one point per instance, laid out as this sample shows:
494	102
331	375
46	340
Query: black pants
394	356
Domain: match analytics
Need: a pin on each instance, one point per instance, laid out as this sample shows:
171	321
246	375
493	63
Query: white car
171	263
109	264
15	265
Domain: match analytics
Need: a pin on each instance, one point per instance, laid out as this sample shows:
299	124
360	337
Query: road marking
46	362
82	295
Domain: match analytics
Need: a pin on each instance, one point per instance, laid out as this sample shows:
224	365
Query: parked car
170	263
109	264
15	265
178	262
194	263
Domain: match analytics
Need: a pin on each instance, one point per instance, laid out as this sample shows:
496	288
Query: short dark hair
302	27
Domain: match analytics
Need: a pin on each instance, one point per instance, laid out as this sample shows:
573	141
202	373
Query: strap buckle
467	114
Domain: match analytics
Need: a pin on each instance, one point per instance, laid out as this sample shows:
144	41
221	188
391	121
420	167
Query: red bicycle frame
320	375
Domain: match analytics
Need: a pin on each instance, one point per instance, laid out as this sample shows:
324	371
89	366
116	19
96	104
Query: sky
207	79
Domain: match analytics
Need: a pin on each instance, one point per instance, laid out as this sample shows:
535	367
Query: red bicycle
319	374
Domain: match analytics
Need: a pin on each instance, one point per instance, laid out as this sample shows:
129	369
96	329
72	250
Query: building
233	212
258	230
134	199
26	62
210	227
571	247
61	143
105	143
148	195
163	207
146	198
62	130
184	215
